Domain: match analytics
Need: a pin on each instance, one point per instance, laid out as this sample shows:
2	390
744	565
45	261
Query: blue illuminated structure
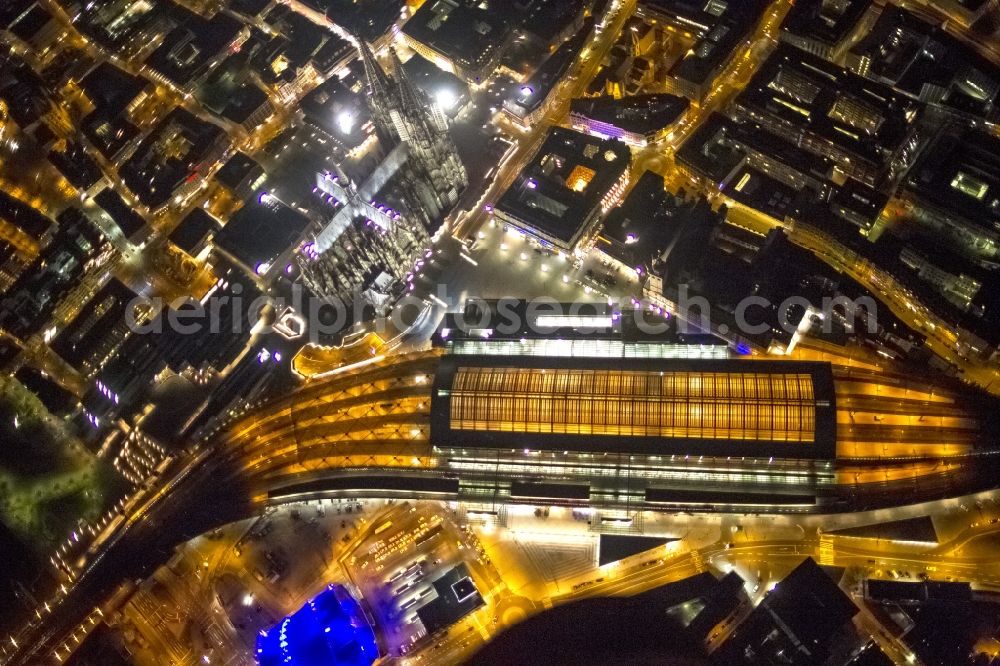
330	630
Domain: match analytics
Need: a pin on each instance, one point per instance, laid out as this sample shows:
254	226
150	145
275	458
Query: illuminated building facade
640	431
571	183
330	629
865	129
638	121
384	221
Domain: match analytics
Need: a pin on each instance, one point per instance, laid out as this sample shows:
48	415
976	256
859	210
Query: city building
171	161
23	227
653	233
75	248
955	189
98	330
195	233
33	26
826	28
193	47
12	263
455	596
797	623
756	168
261	233
866	129
638	121
241	175
572	182
72	160
295	53
339	109
23	95
719	29
186	337
113	91
658	420
126	27
922	60
464	37
548	23
375	20
129	230
528	102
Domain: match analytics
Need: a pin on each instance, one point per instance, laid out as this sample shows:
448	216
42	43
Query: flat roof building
168	162
465	37
763	170
924	61
865	128
572	181
824	27
646	407
195	231
190	50
956	187
719	28
797	623
638	121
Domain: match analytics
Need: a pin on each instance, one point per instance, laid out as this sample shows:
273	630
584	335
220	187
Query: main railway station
593	410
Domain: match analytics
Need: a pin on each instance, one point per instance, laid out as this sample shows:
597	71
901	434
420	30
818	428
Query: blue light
330	630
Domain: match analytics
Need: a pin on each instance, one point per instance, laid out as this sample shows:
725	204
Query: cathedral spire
379	86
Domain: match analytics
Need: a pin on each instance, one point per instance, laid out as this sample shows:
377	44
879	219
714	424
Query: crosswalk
698	561
826	550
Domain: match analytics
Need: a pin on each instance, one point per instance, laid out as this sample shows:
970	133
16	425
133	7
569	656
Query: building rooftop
960	175
639	406
338	107
515	327
236	170
615	547
468	32
93	325
194	229
125	218
805	92
440	86
824	21
640	114
30	23
546	19
192	44
795	624
567	179
523	99
112	89
914	56
372	19
109	132
170	156
456	597
702	62
260	231
652	226
18	214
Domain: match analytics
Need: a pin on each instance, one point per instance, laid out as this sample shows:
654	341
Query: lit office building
573	180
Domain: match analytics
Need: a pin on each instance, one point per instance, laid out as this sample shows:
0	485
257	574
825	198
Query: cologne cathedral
385	222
